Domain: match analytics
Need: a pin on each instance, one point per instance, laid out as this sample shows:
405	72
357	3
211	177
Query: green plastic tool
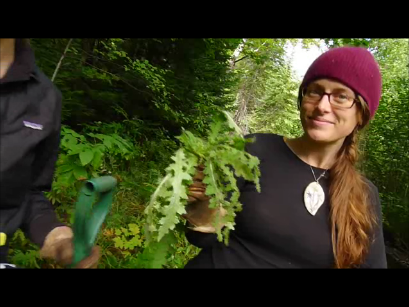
89	216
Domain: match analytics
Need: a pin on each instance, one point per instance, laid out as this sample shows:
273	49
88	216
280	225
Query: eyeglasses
338	99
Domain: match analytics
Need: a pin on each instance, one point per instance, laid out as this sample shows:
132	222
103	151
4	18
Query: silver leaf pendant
314	197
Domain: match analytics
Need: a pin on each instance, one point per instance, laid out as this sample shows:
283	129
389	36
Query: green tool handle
89	216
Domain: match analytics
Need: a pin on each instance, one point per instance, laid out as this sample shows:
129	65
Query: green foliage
166	82
23	253
83	157
267	91
127	239
277	111
223	154
386	142
126	247
155	254
181	252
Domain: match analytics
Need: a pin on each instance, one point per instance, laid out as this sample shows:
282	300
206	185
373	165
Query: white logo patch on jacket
33	125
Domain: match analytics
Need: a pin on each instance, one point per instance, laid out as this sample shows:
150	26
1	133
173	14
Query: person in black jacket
314	210
30	137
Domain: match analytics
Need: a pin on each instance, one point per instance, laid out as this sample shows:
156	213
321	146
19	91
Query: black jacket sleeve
41	217
200	239
376	258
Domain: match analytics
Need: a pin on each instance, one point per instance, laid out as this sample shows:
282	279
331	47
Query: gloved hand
198	212
58	245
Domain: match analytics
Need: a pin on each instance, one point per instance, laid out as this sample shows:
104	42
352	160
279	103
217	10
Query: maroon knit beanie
355	67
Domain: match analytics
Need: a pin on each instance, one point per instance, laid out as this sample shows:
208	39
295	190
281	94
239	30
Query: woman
314	210
30	108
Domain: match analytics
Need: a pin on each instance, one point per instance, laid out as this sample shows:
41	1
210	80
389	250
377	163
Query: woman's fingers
196	196
191	199
196	189
200	167
198	176
197	184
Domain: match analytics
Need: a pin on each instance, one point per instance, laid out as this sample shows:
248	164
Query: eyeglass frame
324	93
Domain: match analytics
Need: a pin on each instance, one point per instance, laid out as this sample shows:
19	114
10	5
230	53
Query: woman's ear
362	113
360	124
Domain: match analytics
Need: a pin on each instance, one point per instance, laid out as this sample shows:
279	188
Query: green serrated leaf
118	242
223	153
181	169
135	241
212	181
134	229
125	231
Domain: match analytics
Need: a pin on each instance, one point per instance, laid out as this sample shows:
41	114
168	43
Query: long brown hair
352	217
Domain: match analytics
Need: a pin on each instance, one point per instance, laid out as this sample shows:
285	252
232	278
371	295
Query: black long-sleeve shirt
274	229
30	107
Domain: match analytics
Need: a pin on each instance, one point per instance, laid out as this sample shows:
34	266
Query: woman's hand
198	212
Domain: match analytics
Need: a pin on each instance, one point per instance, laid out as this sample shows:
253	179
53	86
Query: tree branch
62	57
246	56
